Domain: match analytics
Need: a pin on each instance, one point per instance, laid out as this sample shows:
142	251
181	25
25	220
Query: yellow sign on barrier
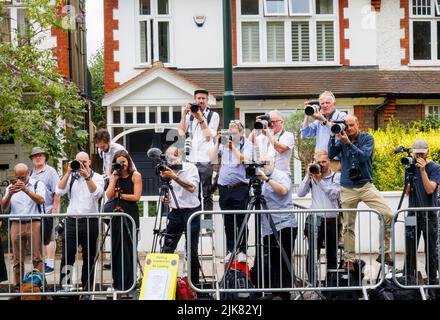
160	277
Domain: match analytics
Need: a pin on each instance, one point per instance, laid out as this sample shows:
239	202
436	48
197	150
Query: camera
251	168
59	228
194	107
118	166
188	144
75	165
156	154
226	136
312	107
338	127
354	173
408	161
263	122
315	168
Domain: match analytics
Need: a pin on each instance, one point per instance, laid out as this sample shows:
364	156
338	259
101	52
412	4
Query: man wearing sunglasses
24	196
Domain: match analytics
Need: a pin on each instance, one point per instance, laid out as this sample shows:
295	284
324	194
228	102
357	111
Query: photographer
275	141
277	190
24	195
84	188
356	151
232	183
324	185
185	184
48	175
199	124
426	175
125	187
320	127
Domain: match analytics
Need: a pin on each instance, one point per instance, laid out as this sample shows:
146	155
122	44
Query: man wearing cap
426	175
200	128
46	174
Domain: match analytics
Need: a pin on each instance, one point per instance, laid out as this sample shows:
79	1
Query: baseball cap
420	146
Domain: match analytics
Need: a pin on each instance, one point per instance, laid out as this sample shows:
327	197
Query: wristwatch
324	122
87	178
267	180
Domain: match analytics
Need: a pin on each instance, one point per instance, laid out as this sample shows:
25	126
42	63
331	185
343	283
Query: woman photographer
125	189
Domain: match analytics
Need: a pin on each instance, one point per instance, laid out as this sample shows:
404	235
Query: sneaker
228	257
241	257
48	270
388	260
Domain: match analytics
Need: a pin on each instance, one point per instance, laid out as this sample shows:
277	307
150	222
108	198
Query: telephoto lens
315	169
117	166
194	107
310	110
337	128
261	124
408	161
75	165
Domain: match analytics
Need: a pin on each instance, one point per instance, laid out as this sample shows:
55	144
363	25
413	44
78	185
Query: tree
96	64
38	106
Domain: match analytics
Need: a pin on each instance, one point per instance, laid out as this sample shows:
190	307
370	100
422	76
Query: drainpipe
376	112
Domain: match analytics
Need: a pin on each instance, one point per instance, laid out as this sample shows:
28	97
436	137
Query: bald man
84	188
24	195
356	151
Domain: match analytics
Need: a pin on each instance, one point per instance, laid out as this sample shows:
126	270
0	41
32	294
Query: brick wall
404	25
365	115
61	52
343	25
110	46
376	5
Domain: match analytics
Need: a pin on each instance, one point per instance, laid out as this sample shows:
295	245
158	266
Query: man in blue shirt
320	128
356	151
24	196
426	177
232	183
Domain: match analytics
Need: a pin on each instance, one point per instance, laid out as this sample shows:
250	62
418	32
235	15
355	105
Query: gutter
376	112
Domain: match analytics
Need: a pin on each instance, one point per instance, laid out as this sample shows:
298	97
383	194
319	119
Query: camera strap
208	117
73	178
39	205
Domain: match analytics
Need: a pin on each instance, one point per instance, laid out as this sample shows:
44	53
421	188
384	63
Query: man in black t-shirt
422	195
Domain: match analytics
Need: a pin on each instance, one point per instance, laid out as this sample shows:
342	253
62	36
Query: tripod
161	210
258	202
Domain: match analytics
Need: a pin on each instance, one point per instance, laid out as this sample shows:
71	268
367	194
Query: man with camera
48	175
356	151
199	125
24	195
273	140
324	185
84	188
231	149
185	184
425	175
324	113
277	191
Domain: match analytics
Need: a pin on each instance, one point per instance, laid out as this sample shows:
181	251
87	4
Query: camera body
117	166
75	165
338	127
59	228
312	108
315	168
263	122
194	107
408	162
226	136
354	173
251	168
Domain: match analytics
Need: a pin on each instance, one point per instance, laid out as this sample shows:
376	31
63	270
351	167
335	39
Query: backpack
33	282
236	279
183	290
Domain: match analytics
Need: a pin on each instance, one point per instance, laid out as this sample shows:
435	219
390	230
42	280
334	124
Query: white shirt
186	199
21	203
81	200
107	157
200	147
282	160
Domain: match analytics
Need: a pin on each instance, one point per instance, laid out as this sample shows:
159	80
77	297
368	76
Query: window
288	32
154	29
433	111
5	26
425	31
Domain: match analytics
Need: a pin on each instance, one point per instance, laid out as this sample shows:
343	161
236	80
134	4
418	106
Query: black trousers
177	220
328	236
273	260
3	271
83	232
124	259
234	199
205	173
426	225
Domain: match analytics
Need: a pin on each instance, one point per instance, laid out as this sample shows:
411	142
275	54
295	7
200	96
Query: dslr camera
338	127
251	168
354	173
75	165
226	136
118	166
194	107
163	161
408	162
315	168
312	108
263	122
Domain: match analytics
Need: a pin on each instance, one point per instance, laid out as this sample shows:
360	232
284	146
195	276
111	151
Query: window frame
311	13
313	19
153	19
266	14
433	19
432	106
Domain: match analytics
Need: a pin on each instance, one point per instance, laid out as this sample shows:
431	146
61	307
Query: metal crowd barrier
419	228
302	278
25	238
